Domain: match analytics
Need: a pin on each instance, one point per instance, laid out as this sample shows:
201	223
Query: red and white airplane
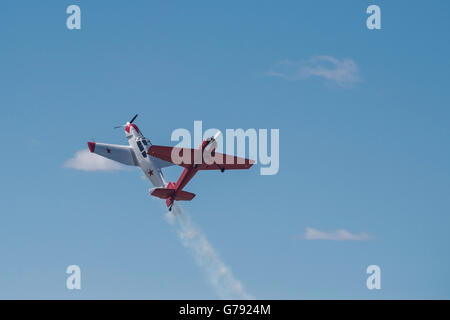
152	158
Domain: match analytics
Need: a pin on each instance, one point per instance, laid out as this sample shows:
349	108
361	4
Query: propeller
124	125
134	118
218	133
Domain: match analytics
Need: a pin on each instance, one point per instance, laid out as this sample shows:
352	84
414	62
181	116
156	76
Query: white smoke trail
219	275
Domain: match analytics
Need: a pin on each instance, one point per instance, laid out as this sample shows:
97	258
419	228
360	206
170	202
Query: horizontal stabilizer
184	196
165	193
162	193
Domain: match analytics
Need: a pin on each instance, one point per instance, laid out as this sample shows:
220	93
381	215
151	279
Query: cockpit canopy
143	145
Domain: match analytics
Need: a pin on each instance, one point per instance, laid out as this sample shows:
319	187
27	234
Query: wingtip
91	146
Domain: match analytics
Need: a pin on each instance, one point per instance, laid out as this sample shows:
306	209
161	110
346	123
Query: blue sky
368	155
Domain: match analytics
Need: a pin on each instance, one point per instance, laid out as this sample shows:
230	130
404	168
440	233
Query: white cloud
338	235
86	161
339	71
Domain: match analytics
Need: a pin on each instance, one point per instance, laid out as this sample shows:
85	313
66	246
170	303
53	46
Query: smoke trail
218	273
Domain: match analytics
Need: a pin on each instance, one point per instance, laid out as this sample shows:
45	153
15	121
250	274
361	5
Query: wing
185	157
222	161
122	154
161	163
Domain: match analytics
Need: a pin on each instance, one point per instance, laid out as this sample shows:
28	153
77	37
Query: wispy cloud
87	161
338	235
339	71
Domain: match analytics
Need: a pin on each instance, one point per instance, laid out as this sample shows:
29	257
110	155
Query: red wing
160	152
226	162
174	155
185	157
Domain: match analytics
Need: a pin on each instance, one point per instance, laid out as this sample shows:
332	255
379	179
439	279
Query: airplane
152	158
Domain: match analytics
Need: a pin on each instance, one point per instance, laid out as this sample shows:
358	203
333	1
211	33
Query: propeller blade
117	127
134	118
218	133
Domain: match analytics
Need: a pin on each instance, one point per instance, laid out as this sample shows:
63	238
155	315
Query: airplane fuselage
148	165
185	177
